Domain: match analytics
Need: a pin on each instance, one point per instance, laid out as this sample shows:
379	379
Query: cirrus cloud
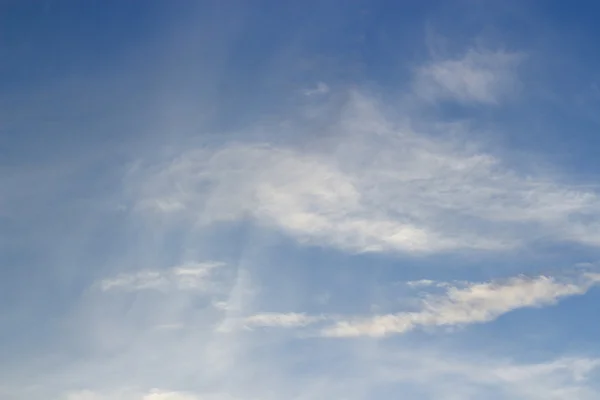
383	186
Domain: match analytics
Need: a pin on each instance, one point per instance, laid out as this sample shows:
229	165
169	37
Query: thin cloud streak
186	276
286	320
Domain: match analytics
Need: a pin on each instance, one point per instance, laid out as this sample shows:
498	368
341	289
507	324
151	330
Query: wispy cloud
422	283
459	378
477	77
383	186
187	276
474	303
160	395
460	304
321	88
427	374
153	394
286	320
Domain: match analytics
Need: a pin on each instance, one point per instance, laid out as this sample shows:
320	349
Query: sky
265	200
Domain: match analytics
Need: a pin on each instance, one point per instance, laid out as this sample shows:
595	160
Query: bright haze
303	200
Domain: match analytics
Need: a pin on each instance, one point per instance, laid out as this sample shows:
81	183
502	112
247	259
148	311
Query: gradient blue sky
264	200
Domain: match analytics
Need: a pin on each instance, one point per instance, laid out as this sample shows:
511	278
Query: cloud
462	303
346	171
448	377
160	395
372	184
153	394
422	283
320	89
558	379
270	320
478	77
191	276
421	374
286	320
475	303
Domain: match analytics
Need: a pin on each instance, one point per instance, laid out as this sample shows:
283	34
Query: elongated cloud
438	375
154	394
320	89
456	378
475	303
383	186
461	304
187	276
286	320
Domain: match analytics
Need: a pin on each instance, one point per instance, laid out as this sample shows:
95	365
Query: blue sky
299	200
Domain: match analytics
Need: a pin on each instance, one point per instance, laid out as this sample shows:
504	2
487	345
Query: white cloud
153	394
422	283
434	374
462	303
161	395
187	276
449	377
381	187
286	320
270	320
475	303
478	77
321	88
215	366
137	281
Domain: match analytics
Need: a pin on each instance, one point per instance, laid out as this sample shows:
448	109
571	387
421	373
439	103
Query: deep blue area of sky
52	41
